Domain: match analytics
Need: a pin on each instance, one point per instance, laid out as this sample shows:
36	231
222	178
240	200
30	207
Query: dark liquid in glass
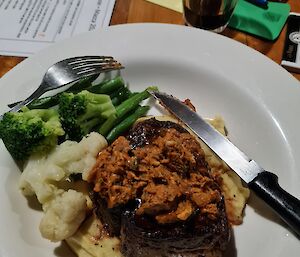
207	14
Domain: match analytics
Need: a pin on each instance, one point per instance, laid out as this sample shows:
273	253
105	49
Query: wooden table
131	11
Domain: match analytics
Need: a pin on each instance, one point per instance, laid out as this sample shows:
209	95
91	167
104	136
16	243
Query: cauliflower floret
41	174
38	178
47	177
78	157
63	216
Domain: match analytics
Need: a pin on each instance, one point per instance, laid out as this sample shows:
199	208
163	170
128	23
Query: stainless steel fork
67	71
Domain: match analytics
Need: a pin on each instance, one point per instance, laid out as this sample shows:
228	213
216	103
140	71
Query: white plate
259	101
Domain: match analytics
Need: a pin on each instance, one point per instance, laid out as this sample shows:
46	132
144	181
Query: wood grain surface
132	11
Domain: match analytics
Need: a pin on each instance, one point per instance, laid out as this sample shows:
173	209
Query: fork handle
36	94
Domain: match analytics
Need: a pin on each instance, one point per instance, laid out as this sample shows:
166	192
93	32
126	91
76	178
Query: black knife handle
266	186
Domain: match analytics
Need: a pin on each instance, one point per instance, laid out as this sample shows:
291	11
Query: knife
263	183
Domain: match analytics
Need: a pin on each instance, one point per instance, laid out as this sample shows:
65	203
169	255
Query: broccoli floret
30	131
83	112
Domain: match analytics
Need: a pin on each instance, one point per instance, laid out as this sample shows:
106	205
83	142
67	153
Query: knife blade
263	183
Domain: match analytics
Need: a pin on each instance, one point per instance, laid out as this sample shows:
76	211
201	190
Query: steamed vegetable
111	86
126	107
83	112
108	107
125	124
107	87
120	95
48	178
30	131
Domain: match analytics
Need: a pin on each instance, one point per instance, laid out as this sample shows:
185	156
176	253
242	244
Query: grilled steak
154	189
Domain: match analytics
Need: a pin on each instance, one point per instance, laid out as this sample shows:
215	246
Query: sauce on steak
153	187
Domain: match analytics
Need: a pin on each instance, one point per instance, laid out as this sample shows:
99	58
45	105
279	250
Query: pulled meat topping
167	173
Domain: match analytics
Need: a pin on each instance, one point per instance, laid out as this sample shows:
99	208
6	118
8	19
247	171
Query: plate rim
267	61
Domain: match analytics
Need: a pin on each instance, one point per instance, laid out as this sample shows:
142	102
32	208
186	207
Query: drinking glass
208	14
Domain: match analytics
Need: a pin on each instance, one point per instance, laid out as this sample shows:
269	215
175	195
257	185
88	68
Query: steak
153	188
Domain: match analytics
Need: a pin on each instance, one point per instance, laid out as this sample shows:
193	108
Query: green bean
120	95
108	125
116	92
44	103
124	108
125	124
82	84
40	103
11	105
107	87
131	103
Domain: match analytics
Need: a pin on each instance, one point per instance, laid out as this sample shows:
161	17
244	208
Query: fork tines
88	65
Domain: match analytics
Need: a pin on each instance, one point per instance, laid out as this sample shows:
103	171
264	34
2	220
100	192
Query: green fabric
265	23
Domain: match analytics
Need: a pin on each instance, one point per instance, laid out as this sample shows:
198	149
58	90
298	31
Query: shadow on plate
262	209
33	203
64	250
231	249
